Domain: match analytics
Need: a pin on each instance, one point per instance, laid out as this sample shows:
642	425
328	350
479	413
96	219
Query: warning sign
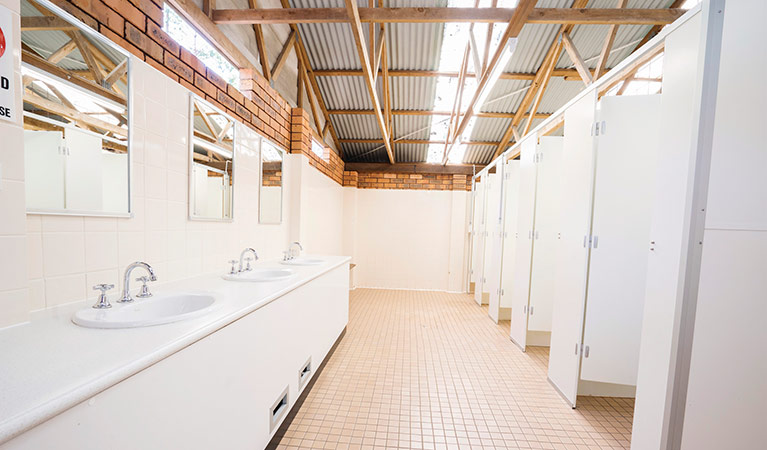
7	88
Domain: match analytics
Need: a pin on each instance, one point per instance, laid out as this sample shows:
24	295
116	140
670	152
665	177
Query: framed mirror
270	189
211	162
76	86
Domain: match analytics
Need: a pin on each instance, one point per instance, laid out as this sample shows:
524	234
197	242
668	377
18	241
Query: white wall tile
104	277
13	264
63	253
36	294
156	214
34	255
58	224
12	161
130	247
101	250
177	189
64	289
155	182
15	307
156	118
13	207
154	148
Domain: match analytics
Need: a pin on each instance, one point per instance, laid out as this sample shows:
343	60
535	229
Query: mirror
270	191
211	162
76	116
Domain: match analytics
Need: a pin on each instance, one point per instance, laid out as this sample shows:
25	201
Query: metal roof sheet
411	153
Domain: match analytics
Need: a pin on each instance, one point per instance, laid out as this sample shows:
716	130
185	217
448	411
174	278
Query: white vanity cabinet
224	391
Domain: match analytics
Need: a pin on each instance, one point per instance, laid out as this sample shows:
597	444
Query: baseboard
300	401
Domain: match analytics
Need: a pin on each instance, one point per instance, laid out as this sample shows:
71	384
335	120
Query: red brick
128	12
162	38
151	9
204	85
192	61
235	94
142	41
117	39
73	9
214	78
176	66
161	67
225	100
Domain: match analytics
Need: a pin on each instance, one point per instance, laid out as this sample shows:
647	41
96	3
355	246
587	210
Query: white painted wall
407	239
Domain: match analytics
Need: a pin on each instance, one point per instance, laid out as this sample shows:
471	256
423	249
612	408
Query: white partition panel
572	255
475	210
511	200
627	148
44	161
83	171
666	260
494	243
546	236
492	202
524	247
479	242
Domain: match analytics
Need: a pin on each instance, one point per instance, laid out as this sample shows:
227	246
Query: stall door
83	171
474	227
492	204
524	246
494	245
572	252
623	205
479	241
511	202
545	237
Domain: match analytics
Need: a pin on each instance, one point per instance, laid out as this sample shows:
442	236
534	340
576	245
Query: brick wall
330	163
436	182
136	25
271	178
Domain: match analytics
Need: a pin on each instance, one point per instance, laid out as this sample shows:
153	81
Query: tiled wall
67	255
13	276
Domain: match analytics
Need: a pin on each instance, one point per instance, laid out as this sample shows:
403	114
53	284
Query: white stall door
479	242
44	160
524	247
572	255
494	243
623	208
546	233
511	200
83	171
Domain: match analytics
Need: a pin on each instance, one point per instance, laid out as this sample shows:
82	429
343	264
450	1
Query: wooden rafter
284	53
385	86
607	46
412	141
261	45
607	16
359	40
62	52
568	73
428	112
541	79
299	81
461	169
312	80
60	109
45	23
516	22
575	57
118	72
85	51
310	98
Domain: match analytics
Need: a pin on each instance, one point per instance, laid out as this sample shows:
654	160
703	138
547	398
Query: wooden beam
434	73
459	169
304	57
208	6
65	75
85	51
573	16
116	73
263	57
299	79
385	86
310	98
62	52
512	30
378	53
44	23
359	40
412	141
71	113
283	56
428	112
608	45
576	58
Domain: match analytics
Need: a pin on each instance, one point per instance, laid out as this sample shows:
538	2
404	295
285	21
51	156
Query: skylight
646	81
454	39
190	39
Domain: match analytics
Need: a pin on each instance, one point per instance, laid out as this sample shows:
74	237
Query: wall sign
7	88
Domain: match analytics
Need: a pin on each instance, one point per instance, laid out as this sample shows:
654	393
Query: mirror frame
129	106
196	98
261	181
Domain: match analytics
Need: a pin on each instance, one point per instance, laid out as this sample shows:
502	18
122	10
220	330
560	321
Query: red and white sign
7	87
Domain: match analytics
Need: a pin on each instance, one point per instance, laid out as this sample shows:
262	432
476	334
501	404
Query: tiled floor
428	370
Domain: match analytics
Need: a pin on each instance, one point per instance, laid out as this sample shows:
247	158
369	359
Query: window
190	39
646	81
318	149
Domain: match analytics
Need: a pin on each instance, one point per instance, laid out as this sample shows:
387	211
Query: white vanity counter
50	364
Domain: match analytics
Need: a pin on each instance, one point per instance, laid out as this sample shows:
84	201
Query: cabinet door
511	200
493	247
84	186
572	254
524	246
44	169
546	233
623	207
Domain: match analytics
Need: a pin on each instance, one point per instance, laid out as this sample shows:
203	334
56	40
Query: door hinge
590	241
536	235
598	128
532	309
586	352
503	292
524	310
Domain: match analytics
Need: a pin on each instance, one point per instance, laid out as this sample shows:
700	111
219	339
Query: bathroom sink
261	275
157	310
303	262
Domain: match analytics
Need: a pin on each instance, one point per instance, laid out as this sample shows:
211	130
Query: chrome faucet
242	258
289	254
126	297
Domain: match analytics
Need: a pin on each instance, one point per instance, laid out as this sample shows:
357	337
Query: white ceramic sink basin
261	275
303	262
157	310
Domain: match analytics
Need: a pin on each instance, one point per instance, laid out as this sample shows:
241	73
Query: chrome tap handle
144	292
233	270
247	264
103	302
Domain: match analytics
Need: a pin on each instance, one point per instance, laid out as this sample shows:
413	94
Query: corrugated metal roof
364	153
417	46
410	152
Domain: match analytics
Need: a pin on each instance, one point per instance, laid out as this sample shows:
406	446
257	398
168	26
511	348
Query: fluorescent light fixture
215	149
